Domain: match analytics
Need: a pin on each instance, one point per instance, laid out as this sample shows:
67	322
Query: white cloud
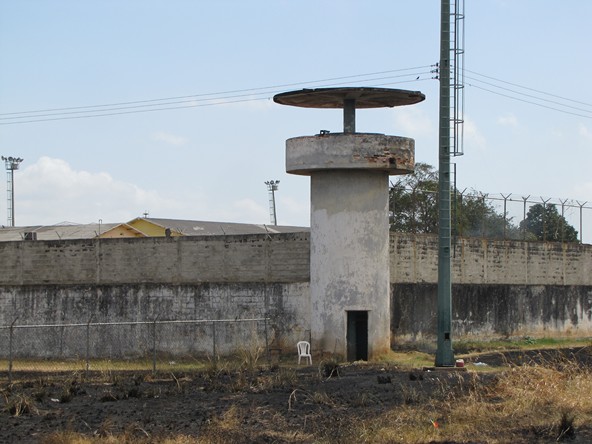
50	191
169	139
414	121
583	191
585	132
508	120
473	137
251	210
297	212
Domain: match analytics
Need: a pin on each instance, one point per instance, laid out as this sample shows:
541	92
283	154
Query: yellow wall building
140	227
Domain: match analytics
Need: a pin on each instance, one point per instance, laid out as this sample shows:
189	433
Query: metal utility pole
272	187
451	75
12	163
444	353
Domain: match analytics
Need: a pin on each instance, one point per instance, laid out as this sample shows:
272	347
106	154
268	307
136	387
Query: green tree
414	208
477	217
545	223
413	201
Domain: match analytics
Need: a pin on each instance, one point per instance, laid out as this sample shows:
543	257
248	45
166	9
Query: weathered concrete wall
500	288
280	258
414	259
176	260
287	305
491	311
122	280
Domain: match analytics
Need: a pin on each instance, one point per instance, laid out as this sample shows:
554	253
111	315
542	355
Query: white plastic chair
304	351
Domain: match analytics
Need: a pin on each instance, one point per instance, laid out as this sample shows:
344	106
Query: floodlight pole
12	163
272	186
444	353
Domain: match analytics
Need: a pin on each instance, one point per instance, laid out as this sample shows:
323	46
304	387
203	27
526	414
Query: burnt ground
257	405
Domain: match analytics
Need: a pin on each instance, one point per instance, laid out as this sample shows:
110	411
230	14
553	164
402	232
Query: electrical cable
529	95
531	89
132	112
528	101
140	106
250	94
175	102
216	93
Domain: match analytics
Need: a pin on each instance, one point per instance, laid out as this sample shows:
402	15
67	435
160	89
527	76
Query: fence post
87	357
154	345
525	199
563	202
506	214
483	197
267	343
460	213
214	340
545	218
581	205
10	337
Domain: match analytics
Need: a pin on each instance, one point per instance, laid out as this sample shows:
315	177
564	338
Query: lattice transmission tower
12	164
272	187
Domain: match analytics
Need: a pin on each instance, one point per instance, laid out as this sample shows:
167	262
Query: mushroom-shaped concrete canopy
363	97
349	98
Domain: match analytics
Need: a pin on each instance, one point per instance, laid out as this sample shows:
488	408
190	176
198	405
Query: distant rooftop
66	231
201	228
54	232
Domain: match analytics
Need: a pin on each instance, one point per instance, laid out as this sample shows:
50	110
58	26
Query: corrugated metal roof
202	228
55	232
186	227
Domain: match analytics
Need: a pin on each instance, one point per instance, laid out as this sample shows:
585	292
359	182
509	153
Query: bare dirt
274	404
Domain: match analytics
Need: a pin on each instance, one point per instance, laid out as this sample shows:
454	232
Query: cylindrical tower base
349	263
349	245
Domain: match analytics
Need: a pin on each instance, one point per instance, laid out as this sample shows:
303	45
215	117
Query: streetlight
12	163
272	186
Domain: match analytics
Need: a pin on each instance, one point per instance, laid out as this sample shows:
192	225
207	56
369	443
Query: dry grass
533	402
464	347
17	405
78	438
408	359
546	401
229	428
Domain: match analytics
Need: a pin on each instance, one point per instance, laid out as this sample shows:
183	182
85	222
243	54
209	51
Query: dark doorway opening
357	336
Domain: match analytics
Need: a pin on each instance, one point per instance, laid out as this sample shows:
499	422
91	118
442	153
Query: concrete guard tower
349	257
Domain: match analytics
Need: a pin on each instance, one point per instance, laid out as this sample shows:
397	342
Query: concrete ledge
368	151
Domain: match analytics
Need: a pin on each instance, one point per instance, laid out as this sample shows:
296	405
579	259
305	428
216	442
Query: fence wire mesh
500	216
158	345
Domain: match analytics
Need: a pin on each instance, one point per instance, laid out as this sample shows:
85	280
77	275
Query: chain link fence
515	208
415	210
156	345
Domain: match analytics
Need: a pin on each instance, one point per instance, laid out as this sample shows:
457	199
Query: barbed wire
527	201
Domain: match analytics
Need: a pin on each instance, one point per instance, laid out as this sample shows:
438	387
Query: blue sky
209	161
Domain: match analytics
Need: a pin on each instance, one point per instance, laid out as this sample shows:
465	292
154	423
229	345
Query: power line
139	103
587	113
152	105
251	94
121	110
102	112
88	116
34	116
529	95
528	101
528	88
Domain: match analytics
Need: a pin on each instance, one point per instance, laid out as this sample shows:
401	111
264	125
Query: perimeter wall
501	288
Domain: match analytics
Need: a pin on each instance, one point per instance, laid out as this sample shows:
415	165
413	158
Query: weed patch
530	396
